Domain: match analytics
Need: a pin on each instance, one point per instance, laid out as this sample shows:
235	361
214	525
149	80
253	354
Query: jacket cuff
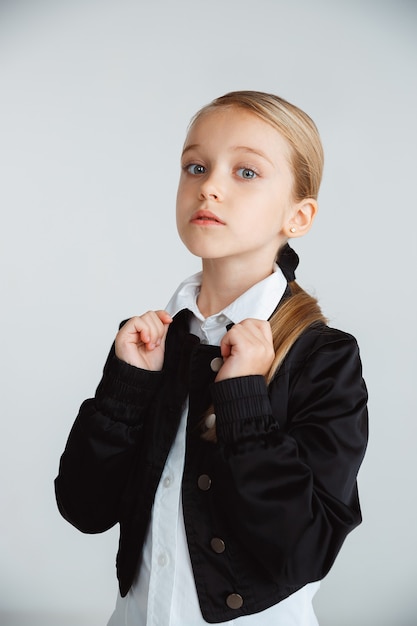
125	391
242	408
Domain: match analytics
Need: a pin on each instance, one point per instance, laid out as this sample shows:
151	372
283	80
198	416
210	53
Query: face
235	191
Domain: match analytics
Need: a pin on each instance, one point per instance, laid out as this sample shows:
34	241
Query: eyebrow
190	147
234	149
252	151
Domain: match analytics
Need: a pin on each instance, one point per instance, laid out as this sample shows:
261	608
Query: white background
95	97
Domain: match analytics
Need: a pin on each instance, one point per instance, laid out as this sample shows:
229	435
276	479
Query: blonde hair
293	124
300	310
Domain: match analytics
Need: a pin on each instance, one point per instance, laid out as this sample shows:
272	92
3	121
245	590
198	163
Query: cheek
180	197
183	192
182	209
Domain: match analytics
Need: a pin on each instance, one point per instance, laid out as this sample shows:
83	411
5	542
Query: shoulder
322	375
320	334
321	343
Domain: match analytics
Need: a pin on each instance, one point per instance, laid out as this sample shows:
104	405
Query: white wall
95	97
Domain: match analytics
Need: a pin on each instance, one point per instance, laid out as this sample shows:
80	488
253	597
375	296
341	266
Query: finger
225	347
229	340
164	316
258	328
166	320
249	340
155	330
257	325
140	329
241	334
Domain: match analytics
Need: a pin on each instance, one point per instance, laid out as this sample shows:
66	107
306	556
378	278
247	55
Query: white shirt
164	593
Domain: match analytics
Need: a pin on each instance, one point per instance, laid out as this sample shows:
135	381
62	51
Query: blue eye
246	173
195	169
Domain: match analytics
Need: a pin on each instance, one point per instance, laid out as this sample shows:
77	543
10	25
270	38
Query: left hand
247	349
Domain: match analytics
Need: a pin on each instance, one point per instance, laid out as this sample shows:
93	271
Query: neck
223	282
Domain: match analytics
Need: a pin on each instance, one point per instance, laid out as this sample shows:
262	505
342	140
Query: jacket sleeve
290	456
101	447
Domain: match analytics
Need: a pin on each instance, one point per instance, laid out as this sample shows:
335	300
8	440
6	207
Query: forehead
234	126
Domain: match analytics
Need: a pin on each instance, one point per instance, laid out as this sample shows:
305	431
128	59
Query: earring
293	229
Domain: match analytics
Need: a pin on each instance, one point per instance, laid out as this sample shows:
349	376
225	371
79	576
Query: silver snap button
216	363
210	420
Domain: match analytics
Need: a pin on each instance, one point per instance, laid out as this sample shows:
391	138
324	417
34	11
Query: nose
207	196
210	189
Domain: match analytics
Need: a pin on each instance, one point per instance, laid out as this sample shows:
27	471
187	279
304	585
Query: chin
204	250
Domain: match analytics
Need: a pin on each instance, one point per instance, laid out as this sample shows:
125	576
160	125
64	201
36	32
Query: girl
227	431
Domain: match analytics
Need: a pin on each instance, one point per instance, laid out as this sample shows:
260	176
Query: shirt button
204	482
162	560
167	482
216	363
217	545
234	601
210	420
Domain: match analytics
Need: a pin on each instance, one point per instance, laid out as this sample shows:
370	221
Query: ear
301	218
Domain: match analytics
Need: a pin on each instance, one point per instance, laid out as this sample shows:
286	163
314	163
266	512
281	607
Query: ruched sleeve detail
242	408
124	390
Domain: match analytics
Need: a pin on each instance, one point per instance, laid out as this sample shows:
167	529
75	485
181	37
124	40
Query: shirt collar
258	302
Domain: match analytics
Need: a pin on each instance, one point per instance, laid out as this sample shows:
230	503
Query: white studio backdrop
95	97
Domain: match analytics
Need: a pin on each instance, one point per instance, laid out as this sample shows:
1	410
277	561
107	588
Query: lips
206	218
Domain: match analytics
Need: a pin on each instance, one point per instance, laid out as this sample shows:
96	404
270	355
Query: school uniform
238	530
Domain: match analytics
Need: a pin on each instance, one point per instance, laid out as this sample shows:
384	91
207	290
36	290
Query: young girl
226	434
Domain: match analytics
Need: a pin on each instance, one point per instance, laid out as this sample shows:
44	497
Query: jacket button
216	363
210	420
234	601
217	545
204	482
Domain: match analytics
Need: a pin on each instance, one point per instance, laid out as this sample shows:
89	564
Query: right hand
141	341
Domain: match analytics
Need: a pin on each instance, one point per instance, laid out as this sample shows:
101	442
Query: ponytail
289	321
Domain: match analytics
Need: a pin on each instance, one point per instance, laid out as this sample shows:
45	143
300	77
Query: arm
102	445
290	493
106	435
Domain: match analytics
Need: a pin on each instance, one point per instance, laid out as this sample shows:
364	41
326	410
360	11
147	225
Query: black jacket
278	488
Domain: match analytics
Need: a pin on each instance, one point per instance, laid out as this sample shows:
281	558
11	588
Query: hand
141	341
247	349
